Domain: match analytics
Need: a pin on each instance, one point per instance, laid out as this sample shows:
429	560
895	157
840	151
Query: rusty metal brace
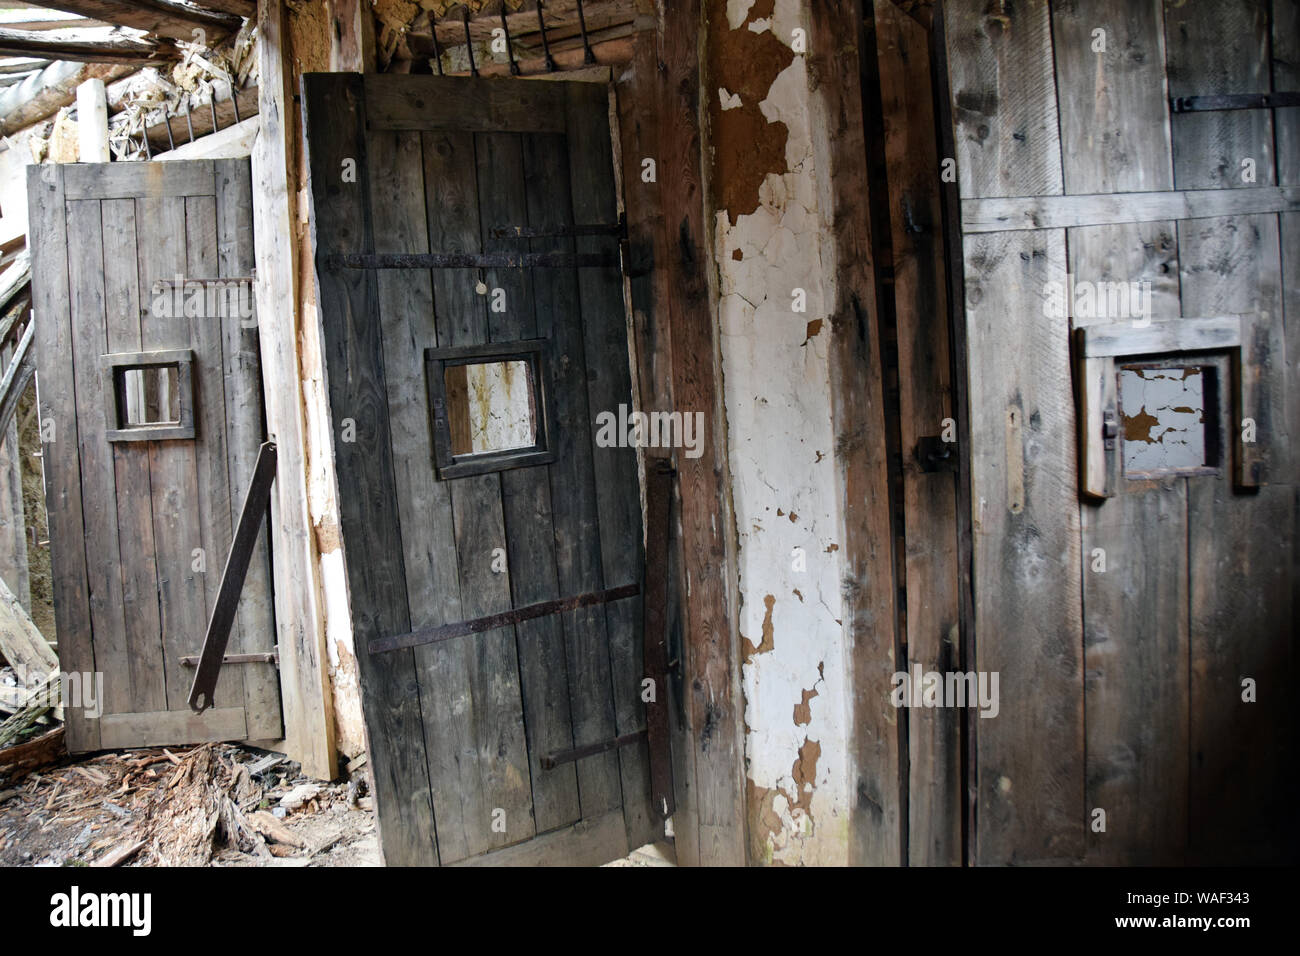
437	50
469	43
546	47
588	57
510	50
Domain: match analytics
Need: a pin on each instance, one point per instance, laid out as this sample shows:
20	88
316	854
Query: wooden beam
20	641
1105	209
92	122
304	679
43	94
175	19
87	46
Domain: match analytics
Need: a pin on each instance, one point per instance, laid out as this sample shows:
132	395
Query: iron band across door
445	632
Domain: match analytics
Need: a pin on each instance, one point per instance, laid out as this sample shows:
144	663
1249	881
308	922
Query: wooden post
304	679
92	121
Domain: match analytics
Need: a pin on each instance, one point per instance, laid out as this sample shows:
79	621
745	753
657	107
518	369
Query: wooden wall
1121	690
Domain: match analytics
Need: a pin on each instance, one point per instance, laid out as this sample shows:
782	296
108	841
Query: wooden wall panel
340	219
925	403
1027	568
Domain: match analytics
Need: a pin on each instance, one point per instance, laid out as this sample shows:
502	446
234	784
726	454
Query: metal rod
437	50
553	760
432	635
167	121
235	659
212	107
469	43
588	57
541	232
546	47
234	101
472	260
189	122
148	151
505	27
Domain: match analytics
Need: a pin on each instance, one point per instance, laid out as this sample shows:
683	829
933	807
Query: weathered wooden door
150	405
1131	236
471	485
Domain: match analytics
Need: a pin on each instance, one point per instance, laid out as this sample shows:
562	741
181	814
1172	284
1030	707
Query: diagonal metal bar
232	580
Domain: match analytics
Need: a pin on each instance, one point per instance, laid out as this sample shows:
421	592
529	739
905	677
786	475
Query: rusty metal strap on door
445	632
474	260
213	654
657	735
1232	101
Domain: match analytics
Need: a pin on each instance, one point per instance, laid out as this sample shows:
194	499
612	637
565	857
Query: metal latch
1109	429
934	454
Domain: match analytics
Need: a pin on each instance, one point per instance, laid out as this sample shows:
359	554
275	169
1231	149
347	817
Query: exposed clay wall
770	255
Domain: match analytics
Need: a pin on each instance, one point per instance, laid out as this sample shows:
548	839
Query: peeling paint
769	240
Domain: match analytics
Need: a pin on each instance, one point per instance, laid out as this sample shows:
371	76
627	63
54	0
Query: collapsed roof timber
331	332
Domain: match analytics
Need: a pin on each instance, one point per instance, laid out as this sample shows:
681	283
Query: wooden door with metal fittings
151	416
467	252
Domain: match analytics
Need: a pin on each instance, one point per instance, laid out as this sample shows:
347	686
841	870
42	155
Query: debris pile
214	804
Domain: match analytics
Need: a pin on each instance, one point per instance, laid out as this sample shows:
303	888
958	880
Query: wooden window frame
536	353
1101	350
183	429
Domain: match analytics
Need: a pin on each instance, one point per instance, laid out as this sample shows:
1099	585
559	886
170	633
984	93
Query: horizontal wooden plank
586	843
1101	209
463	104
129	180
164	727
1166	335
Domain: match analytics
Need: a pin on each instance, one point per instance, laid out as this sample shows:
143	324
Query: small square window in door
150	395
489	407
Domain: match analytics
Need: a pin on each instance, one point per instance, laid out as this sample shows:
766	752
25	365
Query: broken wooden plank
20	641
120	855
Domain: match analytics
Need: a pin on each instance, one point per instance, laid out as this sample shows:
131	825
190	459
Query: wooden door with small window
149	389
466	243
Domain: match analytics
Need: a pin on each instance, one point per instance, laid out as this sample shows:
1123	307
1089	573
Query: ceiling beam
87	46
43	94
175	19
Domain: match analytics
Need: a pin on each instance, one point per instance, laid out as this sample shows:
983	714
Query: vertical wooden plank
1114	108
101	540
925	389
1116	138
858	415
308	709
1004	110
134	500
334	130
255	623
1219	48
1027	562
406	311
1242	589
214	504
173	465
612	500
640	136
1286	77
1030	774
488	506
56	400
13	524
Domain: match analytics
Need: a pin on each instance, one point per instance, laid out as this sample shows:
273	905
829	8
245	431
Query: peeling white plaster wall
781	453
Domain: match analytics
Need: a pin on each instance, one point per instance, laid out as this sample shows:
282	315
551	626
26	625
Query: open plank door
466	242
151	417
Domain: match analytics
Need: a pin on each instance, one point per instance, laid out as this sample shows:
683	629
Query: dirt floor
211	805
